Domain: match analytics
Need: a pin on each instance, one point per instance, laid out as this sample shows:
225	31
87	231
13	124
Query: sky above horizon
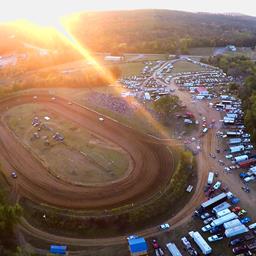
48	10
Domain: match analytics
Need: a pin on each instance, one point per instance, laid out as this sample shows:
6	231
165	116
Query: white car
228	156
217	185
165	226
53	98
252	226
205	216
215	238
207	221
206	228
101	119
248	179
132	237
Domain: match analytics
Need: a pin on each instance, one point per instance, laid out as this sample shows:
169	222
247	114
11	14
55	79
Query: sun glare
51	19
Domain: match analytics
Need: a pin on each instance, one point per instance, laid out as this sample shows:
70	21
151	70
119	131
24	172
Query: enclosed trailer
222	213
241	158
247	163
235	141
236	149
214	201
202	244
221	207
172	248
232	223
222	220
238	230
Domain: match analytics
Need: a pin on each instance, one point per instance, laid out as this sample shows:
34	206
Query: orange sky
46	11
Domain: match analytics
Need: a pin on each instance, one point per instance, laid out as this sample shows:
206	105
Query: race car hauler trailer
202	244
214	201
236	149
174	251
238	230
241	158
224	219
221	207
235	141
232	223
222	213
247	163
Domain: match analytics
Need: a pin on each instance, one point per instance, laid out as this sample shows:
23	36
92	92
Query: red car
236	209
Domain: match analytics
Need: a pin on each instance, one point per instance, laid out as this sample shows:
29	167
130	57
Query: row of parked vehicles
240	151
222	219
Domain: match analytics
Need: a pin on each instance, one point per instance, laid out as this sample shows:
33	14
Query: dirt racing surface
152	161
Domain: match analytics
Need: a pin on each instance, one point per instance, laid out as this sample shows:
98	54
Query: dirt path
152	162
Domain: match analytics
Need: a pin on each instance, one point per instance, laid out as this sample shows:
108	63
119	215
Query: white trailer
210	178
238	230
174	251
202	244
222	220
232	224
213	201
221	207
236	149
222	213
241	158
235	141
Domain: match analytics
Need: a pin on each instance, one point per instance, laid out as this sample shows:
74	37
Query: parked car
206	228
207	221
101	119
155	244
248	179
235	200
131	237
236	209
240	249
242	212
245	220
217	185
248	237
252	226
215	238
205	216
215	230
236	241
246	189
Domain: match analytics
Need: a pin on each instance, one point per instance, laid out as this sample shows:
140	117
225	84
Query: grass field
244	51
130	68
201	51
185	66
81	158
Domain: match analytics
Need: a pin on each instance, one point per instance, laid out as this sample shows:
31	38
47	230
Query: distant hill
163	30
149	31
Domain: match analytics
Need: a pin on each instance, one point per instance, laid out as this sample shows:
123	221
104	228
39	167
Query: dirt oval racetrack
152	161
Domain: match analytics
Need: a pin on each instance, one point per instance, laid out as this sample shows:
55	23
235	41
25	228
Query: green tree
167	105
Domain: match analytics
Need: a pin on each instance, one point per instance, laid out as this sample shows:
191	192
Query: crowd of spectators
114	103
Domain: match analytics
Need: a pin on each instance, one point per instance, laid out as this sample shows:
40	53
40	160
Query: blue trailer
58	249
138	246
